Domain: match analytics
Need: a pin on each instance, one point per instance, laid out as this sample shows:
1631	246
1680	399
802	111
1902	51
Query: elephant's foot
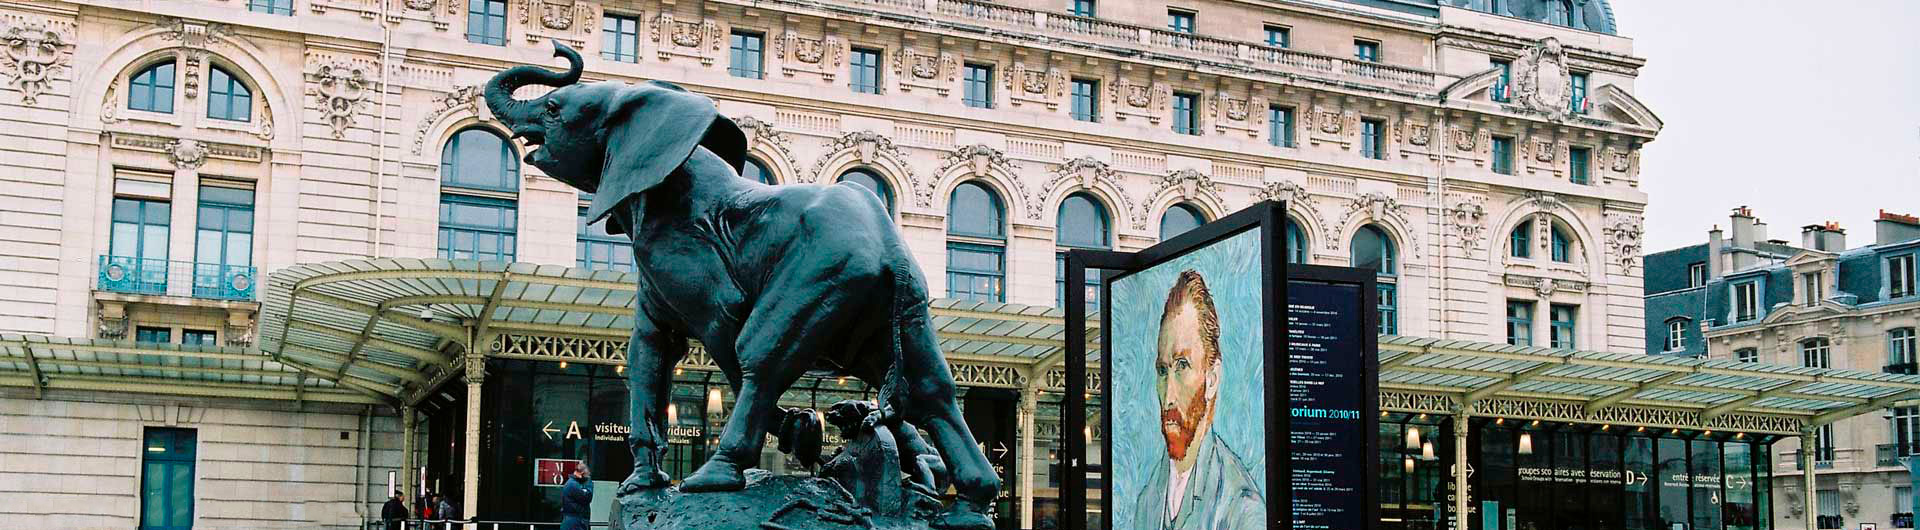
643	479
715	475
963	515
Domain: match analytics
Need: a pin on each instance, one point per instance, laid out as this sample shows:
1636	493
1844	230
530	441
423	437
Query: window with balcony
1180	20
1746	355
1577	92
1081	8
1499	91
136	260
223	241
1746	301
1520	242
1186	113
1578	159
747	54
620	38
865	75
1086	100
597	250
976	244
1503	155
228	98
1179	219
977	83
1900	352
866	178
487	22
1280	126
1373	138
271	7
166	479
1677	334
151	88
479	181
1900	276
1366	51
1083	224
1519	323
1564	324
1279	36
1814	353
1902	506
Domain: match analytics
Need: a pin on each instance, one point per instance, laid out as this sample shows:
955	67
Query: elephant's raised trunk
499	91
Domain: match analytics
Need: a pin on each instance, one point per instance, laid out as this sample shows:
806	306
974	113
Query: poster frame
1369	284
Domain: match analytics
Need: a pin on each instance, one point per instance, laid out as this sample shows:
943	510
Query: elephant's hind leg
931	397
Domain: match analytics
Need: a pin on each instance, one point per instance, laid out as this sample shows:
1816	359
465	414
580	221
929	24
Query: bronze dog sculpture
774	281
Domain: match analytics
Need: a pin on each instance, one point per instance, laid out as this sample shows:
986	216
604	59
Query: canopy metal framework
59	363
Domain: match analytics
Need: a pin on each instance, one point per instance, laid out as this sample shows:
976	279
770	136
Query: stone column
408	477
476	375
1460	491
1029	405
1807	465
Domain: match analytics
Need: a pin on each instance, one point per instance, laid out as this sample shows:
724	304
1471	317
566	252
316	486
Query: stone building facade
1486	163
1814	303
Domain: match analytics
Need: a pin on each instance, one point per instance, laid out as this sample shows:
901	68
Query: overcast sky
1806	111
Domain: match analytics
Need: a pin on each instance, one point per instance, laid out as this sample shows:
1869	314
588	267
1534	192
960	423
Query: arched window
227	97
1520	243
1296	242
757	171
1179	219
867	179
479	176
1816	353
151	88
1373	249
1562	246
1083	223
976	244
1561	12
595	249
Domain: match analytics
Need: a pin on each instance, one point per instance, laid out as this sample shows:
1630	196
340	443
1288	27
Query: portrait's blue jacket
1221	495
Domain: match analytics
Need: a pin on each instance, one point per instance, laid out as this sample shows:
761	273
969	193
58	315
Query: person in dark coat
394	513
576	500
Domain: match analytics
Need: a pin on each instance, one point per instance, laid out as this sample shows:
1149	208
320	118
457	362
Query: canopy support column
409	478
1459	469
1029	404
1808	462
476	376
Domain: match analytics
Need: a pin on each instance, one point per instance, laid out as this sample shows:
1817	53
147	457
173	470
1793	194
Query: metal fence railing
216	281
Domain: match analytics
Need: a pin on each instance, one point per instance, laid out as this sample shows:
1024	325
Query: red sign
553	471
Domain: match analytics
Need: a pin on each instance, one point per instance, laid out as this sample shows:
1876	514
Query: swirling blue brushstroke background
1231	268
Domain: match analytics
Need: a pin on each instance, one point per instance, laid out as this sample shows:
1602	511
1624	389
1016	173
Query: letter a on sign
573	430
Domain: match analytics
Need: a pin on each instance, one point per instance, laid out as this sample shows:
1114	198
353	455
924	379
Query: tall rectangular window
1677	334
598	250
1900	351
1389	309
1081	8
865	77
1746	301
1519	323
1086	100
1499	90
978	86
1366	51
1696	274
1373	139
1186	113
478	228
620	38
274	7
137	244
1900	276
166	479
747	54
487	22
1906	434
1280	126
1814	286
1577	90
1279	36
1503	155
1577	161
223	242
976	272
1180	20
1563	325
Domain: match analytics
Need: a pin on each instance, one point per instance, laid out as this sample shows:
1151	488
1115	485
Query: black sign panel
1332	412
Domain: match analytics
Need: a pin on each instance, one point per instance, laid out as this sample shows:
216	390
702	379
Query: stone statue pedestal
769	502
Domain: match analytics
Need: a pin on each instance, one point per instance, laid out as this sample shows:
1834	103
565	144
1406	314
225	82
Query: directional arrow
1001	451
549	430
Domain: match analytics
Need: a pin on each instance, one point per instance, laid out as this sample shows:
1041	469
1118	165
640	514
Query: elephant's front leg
651	356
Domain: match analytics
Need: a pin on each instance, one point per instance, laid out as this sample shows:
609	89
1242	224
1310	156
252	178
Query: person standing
394	513
445	509
576	500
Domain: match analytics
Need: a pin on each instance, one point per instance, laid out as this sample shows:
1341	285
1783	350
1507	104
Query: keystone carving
186	153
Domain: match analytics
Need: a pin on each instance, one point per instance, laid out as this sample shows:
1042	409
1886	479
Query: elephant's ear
655	127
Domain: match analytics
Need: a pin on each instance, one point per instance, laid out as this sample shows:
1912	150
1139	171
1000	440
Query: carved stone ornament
700	40
1230	114
936	72
1463	139
32	55
1045	86
1418	133
554	14
186	154
763	133
1543	150
110	107
1540	81
1374	205
342	88
240	334
1467	217
466	98
263	129
420	5
871	148
1329	120
1188	184
1545	201
193	58
113	327
1623	233
980	160
800	54
1139	100
1085	173
192	33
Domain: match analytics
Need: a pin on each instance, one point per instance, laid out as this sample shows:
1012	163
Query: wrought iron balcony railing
1894	454
1822	459
213	281
1908	368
